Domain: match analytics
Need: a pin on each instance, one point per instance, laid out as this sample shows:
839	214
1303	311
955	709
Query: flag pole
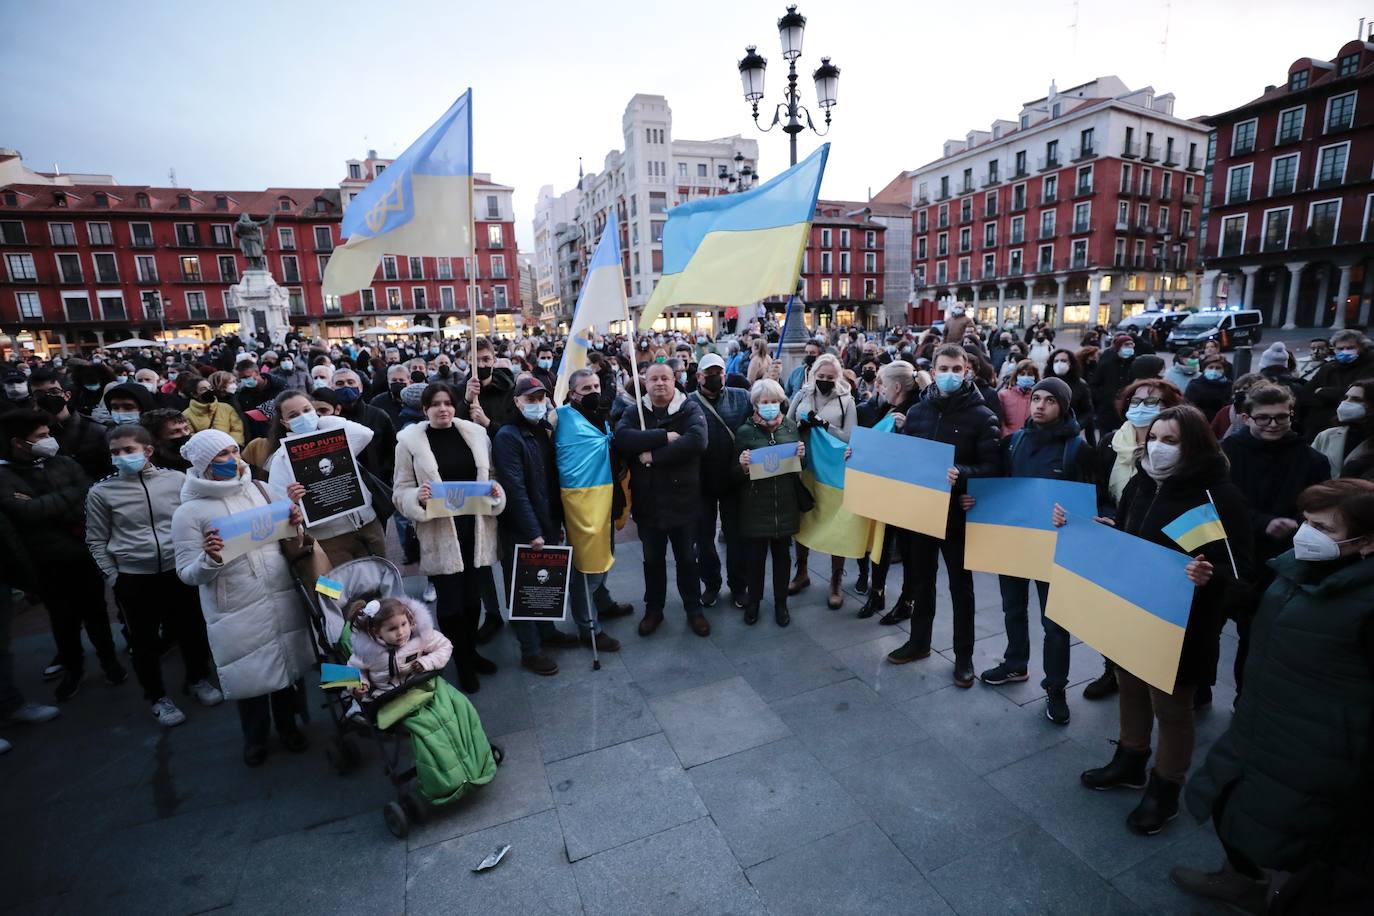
1224	540
634	367
472	281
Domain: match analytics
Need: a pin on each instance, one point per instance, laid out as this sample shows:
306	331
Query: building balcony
143	243
966	217
942	223
1083	153
1044	267
966	188
990	212
1274	243
922	200
1081	227
1166	194
1048	232
1083	190
1017	238
1046	199
1048	163
1186	233
1193	165
1125	190
1123	225
991	181
1151	154
942	253
965	247
1189	200
1021	172
1130	151
1146	228
943	195
1078	262
1015	271
987	274
1170	159
1017	205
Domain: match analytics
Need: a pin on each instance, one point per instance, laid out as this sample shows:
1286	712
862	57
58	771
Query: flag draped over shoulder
585	484
738	248
421	205
829	527
601	301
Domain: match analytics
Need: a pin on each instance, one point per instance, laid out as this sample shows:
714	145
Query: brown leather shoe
699	624
836	599
801	581
649	623
604	642
560	640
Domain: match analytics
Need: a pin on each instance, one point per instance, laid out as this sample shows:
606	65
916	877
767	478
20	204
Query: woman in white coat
259	633
353	535
452	549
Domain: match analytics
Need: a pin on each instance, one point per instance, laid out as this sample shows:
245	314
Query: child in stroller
392	640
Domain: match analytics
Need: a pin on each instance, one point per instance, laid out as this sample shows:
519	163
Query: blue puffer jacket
523	460
963	420
1038	451
733	407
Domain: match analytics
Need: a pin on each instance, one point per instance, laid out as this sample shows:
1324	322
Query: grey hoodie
129	521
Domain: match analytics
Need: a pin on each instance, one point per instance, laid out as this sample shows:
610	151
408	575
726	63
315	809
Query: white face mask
44	448
1311	544
1163	457
1061	368
1349	411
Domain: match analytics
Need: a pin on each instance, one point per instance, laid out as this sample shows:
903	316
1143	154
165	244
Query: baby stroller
368	719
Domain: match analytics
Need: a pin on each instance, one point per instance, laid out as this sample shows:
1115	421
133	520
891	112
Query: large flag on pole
738	248
601	301
587	489
421	205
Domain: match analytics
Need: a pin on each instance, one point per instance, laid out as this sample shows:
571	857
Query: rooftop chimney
372	154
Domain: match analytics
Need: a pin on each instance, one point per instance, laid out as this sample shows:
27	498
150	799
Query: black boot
751	613
1127	770
1105	685
862	585
900	611
780	614
1157	808
875	603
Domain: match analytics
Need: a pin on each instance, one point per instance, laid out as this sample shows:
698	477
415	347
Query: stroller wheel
497	754
396	820
414	804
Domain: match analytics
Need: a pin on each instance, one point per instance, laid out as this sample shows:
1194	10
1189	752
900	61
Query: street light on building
791	28
741	179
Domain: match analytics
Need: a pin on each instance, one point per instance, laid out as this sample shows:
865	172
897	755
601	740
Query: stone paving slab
763	769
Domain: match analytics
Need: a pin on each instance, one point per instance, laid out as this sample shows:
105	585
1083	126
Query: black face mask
175	444
483	373
870	375
52	402
206	397
590	407
713	384
810	358
396	389
825	386
444	371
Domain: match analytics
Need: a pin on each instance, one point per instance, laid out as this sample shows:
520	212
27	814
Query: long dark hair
1074	373
279	427
1197	443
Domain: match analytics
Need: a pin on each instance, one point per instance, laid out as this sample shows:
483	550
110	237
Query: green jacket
768	508
1287	771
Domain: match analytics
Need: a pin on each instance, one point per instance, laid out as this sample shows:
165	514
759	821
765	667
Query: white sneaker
32	714
5	746
53	671
430	594
206	693
166	713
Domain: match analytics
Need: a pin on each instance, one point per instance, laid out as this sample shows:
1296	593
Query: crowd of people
114	463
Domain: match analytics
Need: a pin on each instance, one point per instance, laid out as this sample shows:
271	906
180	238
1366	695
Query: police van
1231	329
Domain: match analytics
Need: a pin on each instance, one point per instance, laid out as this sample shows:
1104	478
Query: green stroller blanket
452	755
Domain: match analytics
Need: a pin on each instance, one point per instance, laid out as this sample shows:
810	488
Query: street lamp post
791	29
741	179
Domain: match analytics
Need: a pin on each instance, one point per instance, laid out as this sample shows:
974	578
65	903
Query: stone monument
261	305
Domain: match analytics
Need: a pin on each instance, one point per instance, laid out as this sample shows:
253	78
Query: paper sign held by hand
448	498
900	480
774	460
246	531
1009	529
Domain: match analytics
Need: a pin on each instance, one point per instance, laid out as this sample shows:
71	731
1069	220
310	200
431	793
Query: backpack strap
712	411
1068	468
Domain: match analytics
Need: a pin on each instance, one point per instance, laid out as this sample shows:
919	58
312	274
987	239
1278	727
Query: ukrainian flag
1127	597
738	248
585	484
900	480
877	531
1009	529
601	301
1196	527
829	527
421	205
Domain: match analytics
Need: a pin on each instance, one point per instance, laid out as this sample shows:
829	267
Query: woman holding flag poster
1182	477
770	506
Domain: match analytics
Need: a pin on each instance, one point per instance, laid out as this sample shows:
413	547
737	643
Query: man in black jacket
380	455
1113	373
664	454
78	436
388	401
951	411
44	496
724	409
488	393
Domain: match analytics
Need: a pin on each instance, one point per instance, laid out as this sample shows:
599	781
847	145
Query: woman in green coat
770	511
1292	778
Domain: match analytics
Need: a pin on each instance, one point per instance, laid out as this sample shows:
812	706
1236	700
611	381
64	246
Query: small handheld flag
329	588
1196	527
339	676
773	460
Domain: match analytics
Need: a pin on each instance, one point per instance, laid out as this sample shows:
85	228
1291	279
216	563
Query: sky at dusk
253	94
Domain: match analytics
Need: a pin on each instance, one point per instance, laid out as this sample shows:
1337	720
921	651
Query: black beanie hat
1060	391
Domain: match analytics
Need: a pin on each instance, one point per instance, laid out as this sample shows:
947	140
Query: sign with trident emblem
459	497
773	460
246	531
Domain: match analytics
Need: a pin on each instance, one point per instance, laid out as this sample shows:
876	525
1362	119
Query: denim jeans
708	560
656	541
1015	608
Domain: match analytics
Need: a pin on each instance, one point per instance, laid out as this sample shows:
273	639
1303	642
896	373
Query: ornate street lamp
741	179
791	28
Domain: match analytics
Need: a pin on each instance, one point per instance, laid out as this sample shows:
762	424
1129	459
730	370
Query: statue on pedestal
249	232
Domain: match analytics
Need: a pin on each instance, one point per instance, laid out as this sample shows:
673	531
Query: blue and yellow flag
829	527
1127	597
773	461
1196	527
584	476
1009	529
738	248
421	205
900	480
601	301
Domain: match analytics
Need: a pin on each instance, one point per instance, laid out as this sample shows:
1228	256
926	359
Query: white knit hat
1276	355
203	447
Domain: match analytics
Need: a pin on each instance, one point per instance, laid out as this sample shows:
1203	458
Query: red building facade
1291	221
87	265
843	265
1083	210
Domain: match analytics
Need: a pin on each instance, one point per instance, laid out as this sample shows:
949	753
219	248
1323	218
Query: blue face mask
949	382
1141	416
224	470
304	423
1346	356
129	464
1126	352
1213	375
545	364
124	416
347	395
250	382
121	379
534	412
769	412
1025	382
95	387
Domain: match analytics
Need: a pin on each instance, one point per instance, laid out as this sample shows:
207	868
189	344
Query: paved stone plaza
762	770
